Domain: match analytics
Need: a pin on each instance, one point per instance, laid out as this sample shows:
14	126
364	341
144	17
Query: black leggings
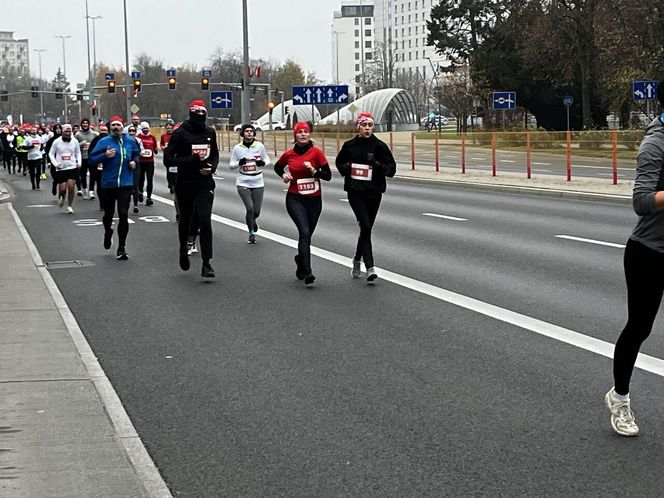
198	199
304	211
34	167
365	206
122	196
83	174
147	170
645	284
136	173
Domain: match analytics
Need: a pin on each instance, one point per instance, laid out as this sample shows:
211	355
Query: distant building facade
14	54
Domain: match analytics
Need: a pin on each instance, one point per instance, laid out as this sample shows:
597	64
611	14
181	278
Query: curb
5	194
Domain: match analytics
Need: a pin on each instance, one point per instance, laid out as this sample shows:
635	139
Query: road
253	385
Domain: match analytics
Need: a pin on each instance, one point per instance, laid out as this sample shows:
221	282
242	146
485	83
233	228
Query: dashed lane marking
591	241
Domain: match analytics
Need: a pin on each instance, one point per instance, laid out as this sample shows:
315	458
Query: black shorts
65	174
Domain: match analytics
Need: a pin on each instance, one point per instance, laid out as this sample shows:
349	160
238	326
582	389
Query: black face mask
197	120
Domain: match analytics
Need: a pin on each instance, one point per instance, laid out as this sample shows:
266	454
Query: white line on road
644	362
540	164
505	160
591	241
453	218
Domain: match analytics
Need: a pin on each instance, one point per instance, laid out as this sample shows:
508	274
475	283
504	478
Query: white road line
591	241
644	362
540	164
483	158
453	218
541	171
505	160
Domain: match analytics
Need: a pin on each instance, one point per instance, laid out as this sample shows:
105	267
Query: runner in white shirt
33	144
65	156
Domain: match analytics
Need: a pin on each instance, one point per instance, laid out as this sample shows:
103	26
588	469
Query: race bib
172	169
202	150
249	167
66	157
363	172
308	186
147	153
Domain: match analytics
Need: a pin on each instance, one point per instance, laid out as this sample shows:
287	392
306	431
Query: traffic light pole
246	99
127	76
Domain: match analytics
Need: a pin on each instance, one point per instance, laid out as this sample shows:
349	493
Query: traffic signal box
205	83
110	86
171	82
137	85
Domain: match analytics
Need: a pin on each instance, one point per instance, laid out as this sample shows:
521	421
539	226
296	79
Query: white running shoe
92	195
356	272
622	416
191	248
70	210
371	275
61	201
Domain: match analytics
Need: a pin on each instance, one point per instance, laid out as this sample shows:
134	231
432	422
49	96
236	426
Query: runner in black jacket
365	162
193	149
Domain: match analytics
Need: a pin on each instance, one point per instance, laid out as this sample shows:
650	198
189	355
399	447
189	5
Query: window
357	21
357	44
415	29
357	56
410	43
410	31
368	56
367	32
410	56
357	32
417	42
367	44
357	67
415	17
367	20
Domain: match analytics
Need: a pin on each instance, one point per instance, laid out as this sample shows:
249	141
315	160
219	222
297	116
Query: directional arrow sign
504	100
332	94
135	75
221	100
644	90
109	76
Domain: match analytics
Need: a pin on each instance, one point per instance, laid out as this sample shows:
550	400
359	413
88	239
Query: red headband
301	125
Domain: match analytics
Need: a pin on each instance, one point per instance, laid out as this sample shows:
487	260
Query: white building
352	43
14	54
402	24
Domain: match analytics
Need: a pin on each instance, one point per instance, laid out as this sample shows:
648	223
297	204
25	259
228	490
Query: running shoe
108	238
299	272
309	279
121	255
252	239
149	202
135	209
92	195
140	197
207	271
184	262
79	193
61	201
70	210
371	275
86	195
622	416
356	272
191	248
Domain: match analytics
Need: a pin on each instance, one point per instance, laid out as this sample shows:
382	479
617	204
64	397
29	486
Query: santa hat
197	106
145	124
102	127
365	117
301	125
116	119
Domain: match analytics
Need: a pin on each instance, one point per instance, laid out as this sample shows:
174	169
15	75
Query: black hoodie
179	152
371	151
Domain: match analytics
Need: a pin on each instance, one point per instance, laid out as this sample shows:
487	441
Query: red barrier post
338	139
412	150
615	157
437	157
391	142
228	137
322	140
286	141
463	153
528	158
493	153
274	141
569	156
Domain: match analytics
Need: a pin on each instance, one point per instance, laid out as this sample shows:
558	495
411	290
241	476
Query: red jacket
149	146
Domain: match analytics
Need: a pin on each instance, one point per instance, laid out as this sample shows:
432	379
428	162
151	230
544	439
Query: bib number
308	186
146	153
172	169
362	172
249	167
201	150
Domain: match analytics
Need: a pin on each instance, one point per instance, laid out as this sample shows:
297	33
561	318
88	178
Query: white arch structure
397	100
291	114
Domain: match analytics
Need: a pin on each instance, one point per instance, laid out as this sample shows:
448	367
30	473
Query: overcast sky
178	32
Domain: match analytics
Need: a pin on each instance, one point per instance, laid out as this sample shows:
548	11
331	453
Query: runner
365	162
135	123
21	152
163	143
65	155
306	165
643	263
193	149
85	137
149	143
8	157
249	157
131	131
33	144
95	169
118	153
57	133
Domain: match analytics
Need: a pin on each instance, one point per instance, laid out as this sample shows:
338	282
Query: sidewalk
63	431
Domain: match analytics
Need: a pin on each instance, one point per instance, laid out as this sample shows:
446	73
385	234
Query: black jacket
179	153
371	151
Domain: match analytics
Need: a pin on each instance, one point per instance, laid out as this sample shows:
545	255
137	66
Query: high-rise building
352	44
14	54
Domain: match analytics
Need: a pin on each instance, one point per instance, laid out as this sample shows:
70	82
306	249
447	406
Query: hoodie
116	172
365	163
193	146
649	230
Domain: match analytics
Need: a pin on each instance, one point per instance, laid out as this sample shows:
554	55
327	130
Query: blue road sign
644	90
109	76
568	100
504	100
170	72
206	73
221	100
329	94
135	75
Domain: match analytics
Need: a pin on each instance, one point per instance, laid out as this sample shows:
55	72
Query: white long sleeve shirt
34	146
65	155
250	175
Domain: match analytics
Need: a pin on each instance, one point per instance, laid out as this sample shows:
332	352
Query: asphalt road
255	386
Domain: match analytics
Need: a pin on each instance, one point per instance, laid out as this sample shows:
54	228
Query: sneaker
79	193
135	209
299	272
121	255
140	197
255	227
184	262
371	275
108	238
70	210
309	279
207	271
357	269
86	195
61	201
149	202
191	248
252	239
92	195
622	416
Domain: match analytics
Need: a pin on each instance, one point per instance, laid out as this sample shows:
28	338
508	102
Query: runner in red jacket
147	162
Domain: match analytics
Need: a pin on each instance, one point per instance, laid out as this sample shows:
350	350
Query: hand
205	171
287	177
243	161
110	152
311	169
132	164
260	163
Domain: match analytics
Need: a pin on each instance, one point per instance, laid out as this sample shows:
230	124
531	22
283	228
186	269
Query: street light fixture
41	94
64	72
94	42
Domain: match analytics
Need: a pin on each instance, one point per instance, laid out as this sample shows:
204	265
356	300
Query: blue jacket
116	172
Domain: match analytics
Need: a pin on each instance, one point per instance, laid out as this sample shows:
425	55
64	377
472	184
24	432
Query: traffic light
171	83
58	93
79	95
270	108
35	91
205	83
137	85
110	86
3	96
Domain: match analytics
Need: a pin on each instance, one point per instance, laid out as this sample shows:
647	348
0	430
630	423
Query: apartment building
14	54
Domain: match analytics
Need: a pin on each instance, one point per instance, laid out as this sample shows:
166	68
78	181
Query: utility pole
41	94
246	102
87	38
127	100
64	74
362	46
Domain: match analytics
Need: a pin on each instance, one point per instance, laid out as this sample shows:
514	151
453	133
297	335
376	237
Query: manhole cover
74	263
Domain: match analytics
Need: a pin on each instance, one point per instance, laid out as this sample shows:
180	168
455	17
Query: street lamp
41	93
246	102
64	72
126	61
87	39
94	42
336	44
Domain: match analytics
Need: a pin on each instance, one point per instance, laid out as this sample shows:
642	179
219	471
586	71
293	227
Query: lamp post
126	62
64	73
94	42
41	94
87	39
336	44
246	102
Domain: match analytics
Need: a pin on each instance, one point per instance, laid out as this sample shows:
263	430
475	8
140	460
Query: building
402	25
352	43
14	54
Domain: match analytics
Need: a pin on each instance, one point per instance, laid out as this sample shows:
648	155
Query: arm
323	170
172	157
648	194
234	163
386	161
98	154
77	152
264	156
343	161
213	160
280	165
52	153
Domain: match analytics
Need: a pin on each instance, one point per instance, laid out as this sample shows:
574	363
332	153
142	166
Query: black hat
246	126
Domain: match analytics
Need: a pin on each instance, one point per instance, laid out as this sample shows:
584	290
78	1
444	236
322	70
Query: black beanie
244	127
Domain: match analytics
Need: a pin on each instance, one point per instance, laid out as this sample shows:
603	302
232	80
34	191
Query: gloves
243	161
260	163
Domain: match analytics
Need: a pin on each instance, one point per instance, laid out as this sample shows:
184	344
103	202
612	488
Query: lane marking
644	362
504	160
591	241
453	218
540	164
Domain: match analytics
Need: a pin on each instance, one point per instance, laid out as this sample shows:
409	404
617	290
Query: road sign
352	108
221	100
109	76
504	100
644	90
206	73
330	94
134	108
568	100
170	73
136	75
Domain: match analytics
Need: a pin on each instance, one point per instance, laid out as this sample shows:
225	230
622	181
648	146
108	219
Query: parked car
276	125
255	123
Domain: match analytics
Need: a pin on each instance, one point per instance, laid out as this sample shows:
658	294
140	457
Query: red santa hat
116	119
365	117
197	106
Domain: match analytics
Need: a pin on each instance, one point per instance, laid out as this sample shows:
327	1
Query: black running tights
121	196
198	199
34	167
147	171
304	211
365	206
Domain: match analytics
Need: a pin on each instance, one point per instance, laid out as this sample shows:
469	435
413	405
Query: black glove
371	160
243	161
260	163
